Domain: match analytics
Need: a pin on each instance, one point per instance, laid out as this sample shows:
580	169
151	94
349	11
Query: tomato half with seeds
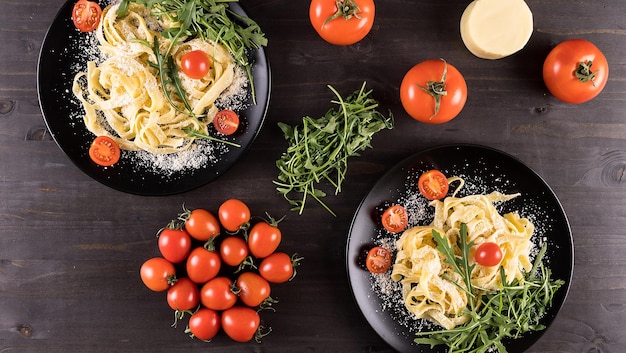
234	215
575	71
378	260
104	151
433	185
342	22
253	289
488	254
86	15
195	64
395	219
241	323
226	122
433	92
204	324
157	274
183	295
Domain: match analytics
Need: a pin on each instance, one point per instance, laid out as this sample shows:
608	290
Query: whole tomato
157	274
174	244
203	265
234	215
241	323
433	92
575	71
217	294
279	267
233	250
264	239
253	289
342	22
201	224
183	295
204	324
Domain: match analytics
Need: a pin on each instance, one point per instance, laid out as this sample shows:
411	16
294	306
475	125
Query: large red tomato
433	92
575	71
342	22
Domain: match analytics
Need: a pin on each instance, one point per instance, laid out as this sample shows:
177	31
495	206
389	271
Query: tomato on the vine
395	219
203	265
433	92
174	244
433	184
201	224
278	267
253	289
234	215
204	324
157	274
226	122
183	295
217	294
488	254
241	323
104	151
342	22
575	71
195	64
86	15
233	250
264	239
378	260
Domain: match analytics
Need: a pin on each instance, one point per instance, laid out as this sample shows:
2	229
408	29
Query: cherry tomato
204	324
488	254
278	267
378	260
233	250
183	295
234	215
201	224
174	244
195	64
253	289
264	239
226	122
342	22
157	274
104	151
433	92
203	265
86	15
395	219
433	185
217	294
575	71
240	323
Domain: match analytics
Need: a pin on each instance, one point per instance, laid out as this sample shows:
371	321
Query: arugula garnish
508	313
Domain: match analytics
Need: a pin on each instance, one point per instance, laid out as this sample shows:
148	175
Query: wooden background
70	248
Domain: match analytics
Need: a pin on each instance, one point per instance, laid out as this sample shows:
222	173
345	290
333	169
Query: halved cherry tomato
183	295
204	324
86	15
233	250
104	151
203	265
395	219
433	185
174	244
157	274
279	267
264	239
234	215
342	22
195	64
253	289
433	92
201	224
378	260
217	294
488	254
241	323
226	122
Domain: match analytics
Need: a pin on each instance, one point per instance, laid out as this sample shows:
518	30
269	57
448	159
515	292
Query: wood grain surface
71	248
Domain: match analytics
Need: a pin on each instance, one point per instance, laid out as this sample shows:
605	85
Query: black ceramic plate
64	52
484	170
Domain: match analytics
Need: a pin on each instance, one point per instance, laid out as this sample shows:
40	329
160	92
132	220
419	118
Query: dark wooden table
71	248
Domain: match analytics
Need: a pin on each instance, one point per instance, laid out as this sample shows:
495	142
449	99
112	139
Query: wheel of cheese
493	29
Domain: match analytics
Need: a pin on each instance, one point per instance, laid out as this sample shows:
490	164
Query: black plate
64	52
484	170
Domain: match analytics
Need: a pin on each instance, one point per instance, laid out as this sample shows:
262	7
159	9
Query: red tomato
157	274
174	244
203	265
378	260
279	267
86	15
234	215
195	64
488	254
104	151
264	239
433	92
433	185
204	324
253	289
217	294
183	295
241	323
233	250
395	219
575	71
201	224
342	22
226	122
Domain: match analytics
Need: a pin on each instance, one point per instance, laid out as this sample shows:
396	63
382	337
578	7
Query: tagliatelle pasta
123	98
430	287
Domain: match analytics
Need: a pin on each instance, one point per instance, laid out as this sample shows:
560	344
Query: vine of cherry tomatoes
219	270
